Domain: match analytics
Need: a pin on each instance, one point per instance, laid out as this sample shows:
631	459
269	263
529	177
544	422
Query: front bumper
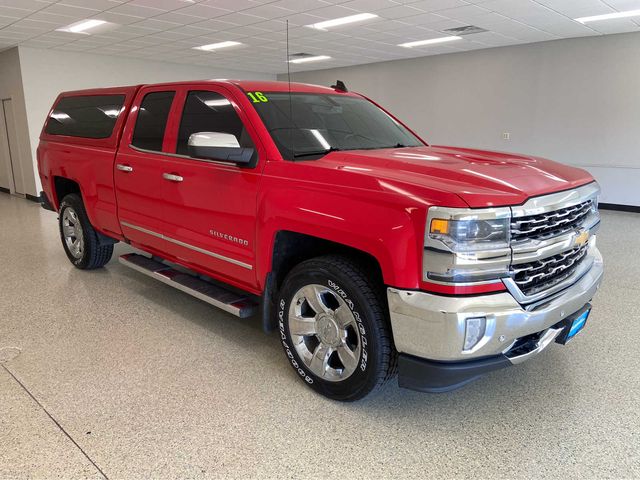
429	329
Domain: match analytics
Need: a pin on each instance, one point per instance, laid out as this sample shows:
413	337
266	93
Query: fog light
474	331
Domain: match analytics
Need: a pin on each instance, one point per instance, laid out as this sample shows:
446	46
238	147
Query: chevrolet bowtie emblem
582	238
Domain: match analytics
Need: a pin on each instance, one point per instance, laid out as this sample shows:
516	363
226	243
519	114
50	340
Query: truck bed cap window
88	116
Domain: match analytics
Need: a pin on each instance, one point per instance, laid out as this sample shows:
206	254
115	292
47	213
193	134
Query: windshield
307	125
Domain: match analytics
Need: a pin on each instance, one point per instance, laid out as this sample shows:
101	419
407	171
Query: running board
237	304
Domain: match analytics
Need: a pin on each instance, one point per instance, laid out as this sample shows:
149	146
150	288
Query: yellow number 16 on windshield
257	97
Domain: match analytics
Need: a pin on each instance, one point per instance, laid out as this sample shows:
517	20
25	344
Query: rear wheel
80	240
334	329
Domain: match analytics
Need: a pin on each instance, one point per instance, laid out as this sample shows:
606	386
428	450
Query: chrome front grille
541	275
550	224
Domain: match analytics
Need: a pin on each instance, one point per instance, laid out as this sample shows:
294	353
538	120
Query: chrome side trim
186	245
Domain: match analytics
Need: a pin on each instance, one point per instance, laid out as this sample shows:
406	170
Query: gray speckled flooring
147	382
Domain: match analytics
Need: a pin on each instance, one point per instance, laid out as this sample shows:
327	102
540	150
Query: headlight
467	230
469	235
465	245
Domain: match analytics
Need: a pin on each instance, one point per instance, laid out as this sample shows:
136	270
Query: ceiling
167	30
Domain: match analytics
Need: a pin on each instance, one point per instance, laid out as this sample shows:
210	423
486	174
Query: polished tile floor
110	374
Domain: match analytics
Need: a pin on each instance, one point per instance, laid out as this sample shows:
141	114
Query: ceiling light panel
83	26
316	58
609	16
431	41
216	46
336	22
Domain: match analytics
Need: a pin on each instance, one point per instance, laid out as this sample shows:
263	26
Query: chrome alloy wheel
324	333
72	232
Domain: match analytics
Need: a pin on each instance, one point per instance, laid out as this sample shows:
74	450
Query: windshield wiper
317	152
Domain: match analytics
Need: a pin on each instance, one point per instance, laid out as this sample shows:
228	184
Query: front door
139	166
210	206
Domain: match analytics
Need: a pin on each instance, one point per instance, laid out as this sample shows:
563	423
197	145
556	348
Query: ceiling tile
436	5
269	11
157	25
203	11
117	18
178	18
166	5
399	12
30	5
70	11
99	5
137	10
169	29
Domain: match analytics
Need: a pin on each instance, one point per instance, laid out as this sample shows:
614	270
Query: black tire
377	360
93	254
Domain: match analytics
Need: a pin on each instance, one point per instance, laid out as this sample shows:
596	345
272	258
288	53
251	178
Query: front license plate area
574	325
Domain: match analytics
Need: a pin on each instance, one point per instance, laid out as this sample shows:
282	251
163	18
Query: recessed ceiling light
310	59
431	41
82	26
609	16
360	17
216	46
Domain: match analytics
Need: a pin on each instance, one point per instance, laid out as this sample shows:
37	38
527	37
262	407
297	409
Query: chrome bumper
433	326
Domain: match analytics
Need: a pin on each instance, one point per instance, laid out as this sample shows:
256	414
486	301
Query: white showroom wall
46	73
576	101
11	88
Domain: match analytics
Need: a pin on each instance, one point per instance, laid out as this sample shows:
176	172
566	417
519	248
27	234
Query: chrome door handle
172	177
124	168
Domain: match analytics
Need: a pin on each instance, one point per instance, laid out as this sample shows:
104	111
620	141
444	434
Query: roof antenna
291	139
340	86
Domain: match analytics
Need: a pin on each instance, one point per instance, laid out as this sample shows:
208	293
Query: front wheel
334	329
80	240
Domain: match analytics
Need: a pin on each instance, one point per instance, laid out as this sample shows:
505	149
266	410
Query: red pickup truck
370	252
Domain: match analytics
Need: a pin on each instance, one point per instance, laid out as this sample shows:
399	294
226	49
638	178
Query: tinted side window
89	116
209	112
152	120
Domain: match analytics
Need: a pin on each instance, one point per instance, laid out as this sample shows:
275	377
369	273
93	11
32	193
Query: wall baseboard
27	196
619	208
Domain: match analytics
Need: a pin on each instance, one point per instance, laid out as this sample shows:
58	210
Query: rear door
139	166
211	210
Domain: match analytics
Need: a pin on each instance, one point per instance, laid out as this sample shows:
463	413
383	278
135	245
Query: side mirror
219	146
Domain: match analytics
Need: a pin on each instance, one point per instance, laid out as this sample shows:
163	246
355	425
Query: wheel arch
63	186
291	248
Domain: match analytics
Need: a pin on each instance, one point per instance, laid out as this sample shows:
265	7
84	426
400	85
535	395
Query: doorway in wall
11	174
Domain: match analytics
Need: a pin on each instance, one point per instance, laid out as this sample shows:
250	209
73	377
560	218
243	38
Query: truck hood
480	178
